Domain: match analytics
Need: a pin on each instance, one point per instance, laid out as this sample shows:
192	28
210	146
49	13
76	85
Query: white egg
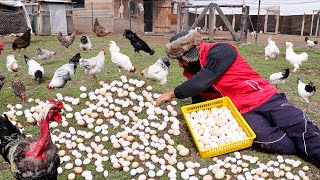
68	166
83	95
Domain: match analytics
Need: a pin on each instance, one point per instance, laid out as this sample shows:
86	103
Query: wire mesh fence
12	22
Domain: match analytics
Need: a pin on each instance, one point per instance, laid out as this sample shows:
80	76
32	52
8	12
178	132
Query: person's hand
165	97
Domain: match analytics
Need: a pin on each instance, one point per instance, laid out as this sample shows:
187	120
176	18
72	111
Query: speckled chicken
12	64
19	89
66	41
44	54
93	66
2	78
32	158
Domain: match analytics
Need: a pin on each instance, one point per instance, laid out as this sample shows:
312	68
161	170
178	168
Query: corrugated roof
56	1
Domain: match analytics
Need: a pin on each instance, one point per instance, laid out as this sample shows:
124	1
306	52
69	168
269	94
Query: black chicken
137	43
31	158
23	41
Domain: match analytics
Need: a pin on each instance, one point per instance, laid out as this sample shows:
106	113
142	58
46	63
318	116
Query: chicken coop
50	16
156	16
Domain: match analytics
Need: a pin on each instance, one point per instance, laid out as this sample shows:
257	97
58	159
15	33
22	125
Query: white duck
295	59
271	50
306	91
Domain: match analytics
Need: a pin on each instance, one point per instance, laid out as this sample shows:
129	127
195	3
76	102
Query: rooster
32	158
137	43
310	43
100	30
295	59
1	47
121	60
19	89
279	77
306	91
64	73
271	50
34	69
44	54
23	41
2	78
93	66
85	43
66	41
158	71
12	64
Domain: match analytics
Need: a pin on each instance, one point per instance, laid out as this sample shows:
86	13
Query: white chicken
295	59
12	64
158	71
271	50
85	43
279	77
44	54
34	69
121	60
93	66
310	43
306	91
64	73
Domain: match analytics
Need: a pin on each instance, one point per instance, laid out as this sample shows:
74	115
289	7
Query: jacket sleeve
219	59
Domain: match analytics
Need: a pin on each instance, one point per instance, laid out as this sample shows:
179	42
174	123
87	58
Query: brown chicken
22	41
66	41
100	30
19	89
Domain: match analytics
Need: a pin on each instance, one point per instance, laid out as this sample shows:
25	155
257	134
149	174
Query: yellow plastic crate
225	148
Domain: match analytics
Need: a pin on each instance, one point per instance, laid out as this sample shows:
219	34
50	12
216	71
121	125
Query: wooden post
244	32
277	23
302	26
233	21
203	13
205	22
227	23
317	28
187	17
312	23
211	27
179	17
265	23
214	18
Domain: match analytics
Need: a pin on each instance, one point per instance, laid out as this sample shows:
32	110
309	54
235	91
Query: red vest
245	87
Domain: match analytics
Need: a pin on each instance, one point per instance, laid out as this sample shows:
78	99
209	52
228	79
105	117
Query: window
78	3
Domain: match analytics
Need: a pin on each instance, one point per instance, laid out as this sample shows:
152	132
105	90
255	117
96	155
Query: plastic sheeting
58	20
287	8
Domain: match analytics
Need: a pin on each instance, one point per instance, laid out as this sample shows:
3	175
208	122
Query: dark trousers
282	128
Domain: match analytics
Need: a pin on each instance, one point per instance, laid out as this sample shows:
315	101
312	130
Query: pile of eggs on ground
142	138
215	127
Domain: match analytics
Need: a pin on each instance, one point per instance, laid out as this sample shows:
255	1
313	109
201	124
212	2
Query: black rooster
31	158
23	41
137	43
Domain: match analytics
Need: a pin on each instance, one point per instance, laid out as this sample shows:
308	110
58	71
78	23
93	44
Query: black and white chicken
85	43
306	91
310	43
279	77
158	71
34	69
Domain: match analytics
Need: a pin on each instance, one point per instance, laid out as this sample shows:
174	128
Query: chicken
1	47
306	91
85	43
158	71
66	41
295	59
32	158
271	50
310	43
279	77
23	41
64	73
100	31
44	54
34	69
137	43
93	66
121	60
19	89
12	64
2	78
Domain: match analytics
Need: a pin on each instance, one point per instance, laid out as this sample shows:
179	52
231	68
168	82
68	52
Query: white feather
295	59
33	67
121	60
11	63
158	71
271	50
93	66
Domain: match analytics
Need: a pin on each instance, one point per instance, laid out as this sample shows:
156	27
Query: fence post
265	23
187	15
179	17
317	28
211	23
312	23
302	27
277	22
